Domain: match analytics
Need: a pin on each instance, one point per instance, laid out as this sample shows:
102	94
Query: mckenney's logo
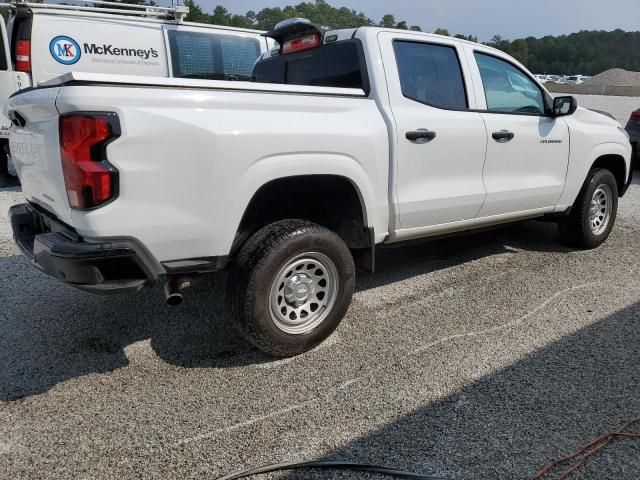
65	50
106	49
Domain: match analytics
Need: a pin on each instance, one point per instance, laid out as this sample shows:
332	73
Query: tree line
586	52
318	12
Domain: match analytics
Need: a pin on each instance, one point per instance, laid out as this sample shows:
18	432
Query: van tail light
89	179
300	44
635	116
23	56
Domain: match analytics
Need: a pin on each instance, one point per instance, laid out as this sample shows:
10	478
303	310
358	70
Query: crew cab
344	140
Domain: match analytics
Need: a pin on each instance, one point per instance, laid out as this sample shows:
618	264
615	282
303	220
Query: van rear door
10	81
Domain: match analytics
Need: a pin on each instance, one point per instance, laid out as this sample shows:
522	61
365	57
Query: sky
484	18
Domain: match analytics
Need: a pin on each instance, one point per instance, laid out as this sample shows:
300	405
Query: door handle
421	134
503	136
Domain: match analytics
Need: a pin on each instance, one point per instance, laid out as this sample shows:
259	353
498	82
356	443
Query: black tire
575	229
263	258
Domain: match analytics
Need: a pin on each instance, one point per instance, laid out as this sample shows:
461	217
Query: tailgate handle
17	119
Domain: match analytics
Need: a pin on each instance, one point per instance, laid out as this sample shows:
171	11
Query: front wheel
594	212
290	287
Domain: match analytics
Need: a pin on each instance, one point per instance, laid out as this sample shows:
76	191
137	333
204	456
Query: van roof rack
175	11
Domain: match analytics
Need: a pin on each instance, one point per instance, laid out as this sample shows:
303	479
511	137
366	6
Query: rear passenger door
211	54
528	150
441	143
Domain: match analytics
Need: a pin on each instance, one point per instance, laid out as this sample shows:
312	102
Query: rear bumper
56	249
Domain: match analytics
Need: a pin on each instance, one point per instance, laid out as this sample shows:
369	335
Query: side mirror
563	106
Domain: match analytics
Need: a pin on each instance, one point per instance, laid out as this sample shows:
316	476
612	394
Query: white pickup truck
343	141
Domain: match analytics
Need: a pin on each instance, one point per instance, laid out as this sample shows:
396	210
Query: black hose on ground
328	465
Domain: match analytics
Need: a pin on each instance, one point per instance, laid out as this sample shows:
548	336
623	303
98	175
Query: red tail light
23	56
89	178
636	116
300	44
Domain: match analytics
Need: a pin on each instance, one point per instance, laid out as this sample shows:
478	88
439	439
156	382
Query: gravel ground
484	356
619	107
616	77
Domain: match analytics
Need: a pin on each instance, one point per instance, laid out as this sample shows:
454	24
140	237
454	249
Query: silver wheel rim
600	209
303	293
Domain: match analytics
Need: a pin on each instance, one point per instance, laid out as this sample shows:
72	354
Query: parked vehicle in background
633	129
543	78
576	79
345	140
43	40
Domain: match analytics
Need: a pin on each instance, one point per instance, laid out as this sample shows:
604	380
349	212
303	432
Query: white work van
42	41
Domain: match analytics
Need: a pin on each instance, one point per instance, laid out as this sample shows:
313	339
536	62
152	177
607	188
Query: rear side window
212	56
431	74
334	65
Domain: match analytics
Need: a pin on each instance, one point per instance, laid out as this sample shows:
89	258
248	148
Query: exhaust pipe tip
172	293
175	299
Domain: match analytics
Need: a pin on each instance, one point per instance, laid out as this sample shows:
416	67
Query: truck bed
192	153
81	78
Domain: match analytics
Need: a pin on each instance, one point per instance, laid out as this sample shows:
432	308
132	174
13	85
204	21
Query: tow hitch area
174	285
58	251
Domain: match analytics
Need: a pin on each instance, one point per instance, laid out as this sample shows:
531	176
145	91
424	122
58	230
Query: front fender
580	164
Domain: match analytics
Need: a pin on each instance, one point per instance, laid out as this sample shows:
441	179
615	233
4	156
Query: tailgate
35	149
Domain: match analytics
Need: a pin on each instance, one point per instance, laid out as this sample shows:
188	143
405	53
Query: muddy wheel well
616	165
328	200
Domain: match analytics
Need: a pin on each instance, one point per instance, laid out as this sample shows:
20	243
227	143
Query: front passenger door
527	150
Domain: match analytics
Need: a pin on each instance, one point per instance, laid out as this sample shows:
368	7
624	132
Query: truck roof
333	35
413	32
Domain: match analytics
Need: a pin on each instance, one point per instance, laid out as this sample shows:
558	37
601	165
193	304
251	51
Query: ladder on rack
175	12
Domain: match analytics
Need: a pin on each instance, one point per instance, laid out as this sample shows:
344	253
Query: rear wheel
290	287
594	212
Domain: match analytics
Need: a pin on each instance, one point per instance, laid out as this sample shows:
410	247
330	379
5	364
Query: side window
333	65
431	74
508	89
212	56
